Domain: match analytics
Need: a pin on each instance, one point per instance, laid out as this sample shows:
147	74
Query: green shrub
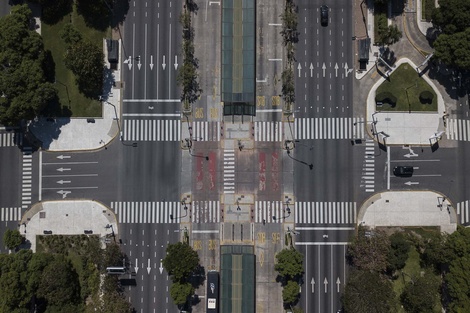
426	97
386	97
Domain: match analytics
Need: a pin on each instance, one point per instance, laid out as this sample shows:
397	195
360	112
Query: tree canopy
24	88
367	292
454	49
452	16
86	61
422	295
289	264
12	239
180	261
452	46
290	292
398	253
180	292
369	252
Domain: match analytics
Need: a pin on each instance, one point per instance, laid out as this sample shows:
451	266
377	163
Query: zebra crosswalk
205	131
463	212
325	212
266	210
151	130
328	128
10	139
458	129
368	173
10	214
268	131
306	212
229	171
27	177
147	212
205	212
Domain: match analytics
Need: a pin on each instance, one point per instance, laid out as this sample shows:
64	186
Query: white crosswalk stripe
10	214
463	212
266	210
205	211
148	212
368	172
268	131
229	171
325	212
328	128
151	130
27	177
205	131
458	129
10	139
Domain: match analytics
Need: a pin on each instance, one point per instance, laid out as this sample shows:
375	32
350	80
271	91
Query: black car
324	15
403	171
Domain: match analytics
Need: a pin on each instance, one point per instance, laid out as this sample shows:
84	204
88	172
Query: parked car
403	171
324	15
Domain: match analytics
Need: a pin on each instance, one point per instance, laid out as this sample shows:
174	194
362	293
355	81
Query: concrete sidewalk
403	128
67	218
408	208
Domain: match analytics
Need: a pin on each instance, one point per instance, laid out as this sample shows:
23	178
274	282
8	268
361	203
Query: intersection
231	180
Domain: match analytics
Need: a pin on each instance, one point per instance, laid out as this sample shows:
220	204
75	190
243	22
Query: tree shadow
54	10
446	76
398	7
198	277
120	9
96	14
47	130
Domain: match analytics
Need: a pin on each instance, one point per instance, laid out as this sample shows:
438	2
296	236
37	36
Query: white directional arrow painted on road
62	169
313	285
161	266
409	155
64	193
299	67
176	62
409	183
150	107
323	68
325	282
311	70
63	182
151	62
136	268
148	267
164	63
336	69
128	62
347	70
63	157
338	282
139	65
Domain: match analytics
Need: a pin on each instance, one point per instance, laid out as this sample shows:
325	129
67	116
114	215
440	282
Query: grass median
71	100
407	86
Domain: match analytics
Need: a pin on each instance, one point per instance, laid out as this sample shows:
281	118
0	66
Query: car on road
403	171
324	15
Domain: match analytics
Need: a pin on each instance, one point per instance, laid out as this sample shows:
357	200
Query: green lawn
69	96
406	85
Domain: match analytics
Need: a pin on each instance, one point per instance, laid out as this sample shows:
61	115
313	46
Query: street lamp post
285	210
185	209
112	230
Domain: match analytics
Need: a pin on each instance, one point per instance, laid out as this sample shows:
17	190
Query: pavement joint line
325	228
306	243
151	100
